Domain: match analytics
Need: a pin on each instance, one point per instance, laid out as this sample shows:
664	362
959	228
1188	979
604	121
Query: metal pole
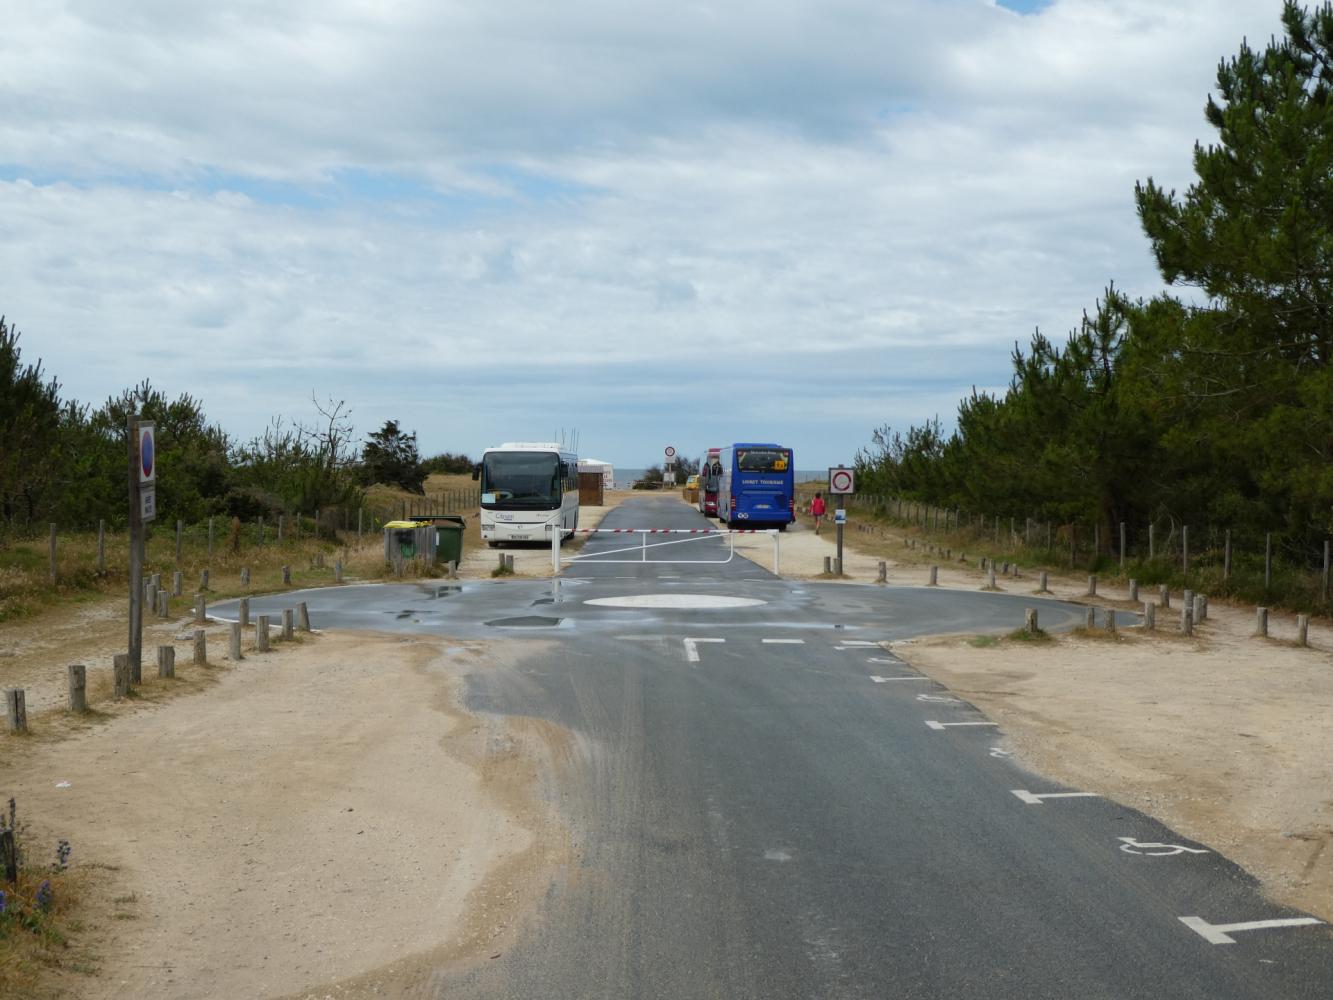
136	548
776	570
842	506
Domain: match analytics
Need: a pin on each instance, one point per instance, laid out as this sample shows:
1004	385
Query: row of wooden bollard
291	618
123	679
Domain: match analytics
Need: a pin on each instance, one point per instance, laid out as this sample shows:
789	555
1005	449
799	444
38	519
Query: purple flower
2	902
44	895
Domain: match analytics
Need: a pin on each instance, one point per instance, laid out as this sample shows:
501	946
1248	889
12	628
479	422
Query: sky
650	223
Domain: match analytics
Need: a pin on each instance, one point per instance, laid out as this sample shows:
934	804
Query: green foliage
30	429
390	456
1213	413
448	463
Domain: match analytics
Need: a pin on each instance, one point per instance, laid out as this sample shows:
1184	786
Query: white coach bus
524	487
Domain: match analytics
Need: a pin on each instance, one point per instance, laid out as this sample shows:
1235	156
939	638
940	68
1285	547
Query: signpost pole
136	550
840	518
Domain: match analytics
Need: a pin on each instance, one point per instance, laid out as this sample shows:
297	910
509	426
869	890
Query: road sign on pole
841	481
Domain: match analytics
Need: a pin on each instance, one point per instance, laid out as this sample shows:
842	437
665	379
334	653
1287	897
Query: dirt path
1224	736
324	811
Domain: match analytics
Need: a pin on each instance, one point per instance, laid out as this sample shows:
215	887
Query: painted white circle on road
692	602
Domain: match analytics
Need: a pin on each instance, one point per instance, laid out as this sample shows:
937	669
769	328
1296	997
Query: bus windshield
519	480
762	459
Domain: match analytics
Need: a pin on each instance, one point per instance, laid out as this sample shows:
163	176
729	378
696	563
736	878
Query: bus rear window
762	459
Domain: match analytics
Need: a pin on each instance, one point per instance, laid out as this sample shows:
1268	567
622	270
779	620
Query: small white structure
595	465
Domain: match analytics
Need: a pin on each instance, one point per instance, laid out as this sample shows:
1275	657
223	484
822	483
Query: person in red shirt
817	510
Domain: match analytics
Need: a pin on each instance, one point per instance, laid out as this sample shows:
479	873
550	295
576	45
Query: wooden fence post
166	661
243	613
1200	608
934	577
120	670
1030	621
828	565
261	634
303	616
288	623
286	576
1302	630
1090	618
990	577
1186	620
1045	580
200	647
1134	591
53	554
245	576
1165	599
18	711
1261	621
177	583
337	571
235	650
200	608
1110	620
1149	616
883	576
1092	587
101	547
78	687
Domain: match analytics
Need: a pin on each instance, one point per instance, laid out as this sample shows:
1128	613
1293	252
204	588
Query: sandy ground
323	810
1224	736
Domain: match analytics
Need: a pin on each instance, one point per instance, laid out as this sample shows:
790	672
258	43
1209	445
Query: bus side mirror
476	472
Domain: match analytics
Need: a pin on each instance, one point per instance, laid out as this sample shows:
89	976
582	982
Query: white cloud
492	220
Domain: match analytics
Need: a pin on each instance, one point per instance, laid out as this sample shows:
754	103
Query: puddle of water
525	621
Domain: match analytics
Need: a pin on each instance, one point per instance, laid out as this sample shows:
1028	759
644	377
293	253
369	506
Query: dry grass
36	941
26	587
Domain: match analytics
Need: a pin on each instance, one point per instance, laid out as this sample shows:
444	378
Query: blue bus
758	487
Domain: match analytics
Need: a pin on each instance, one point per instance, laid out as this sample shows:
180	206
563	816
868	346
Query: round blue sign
146	452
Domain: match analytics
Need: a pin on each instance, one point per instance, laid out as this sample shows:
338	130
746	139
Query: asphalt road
769	804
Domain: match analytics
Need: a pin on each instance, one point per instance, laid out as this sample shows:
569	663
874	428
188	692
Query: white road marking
1131	846
1036	800
1000	753
692	648
683	601
857	644
885	680
944	725
1221	933
882	659
783	642
940	698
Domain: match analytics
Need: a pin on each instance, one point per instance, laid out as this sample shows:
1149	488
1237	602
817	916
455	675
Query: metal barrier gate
696	535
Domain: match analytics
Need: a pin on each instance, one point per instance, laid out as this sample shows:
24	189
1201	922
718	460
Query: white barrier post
776	571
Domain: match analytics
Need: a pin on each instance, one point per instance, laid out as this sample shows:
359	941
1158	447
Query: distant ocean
625	478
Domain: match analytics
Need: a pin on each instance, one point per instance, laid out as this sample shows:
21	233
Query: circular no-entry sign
841	481
670	452
147	454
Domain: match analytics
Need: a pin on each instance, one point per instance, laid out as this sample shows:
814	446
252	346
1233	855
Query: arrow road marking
941	725
1000	752
692	648
1221	933
1035	800
1132	846
885	680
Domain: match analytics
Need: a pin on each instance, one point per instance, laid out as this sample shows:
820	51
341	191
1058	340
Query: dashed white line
783	642
692	648
1221	933
885	680
1035	800
945	725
